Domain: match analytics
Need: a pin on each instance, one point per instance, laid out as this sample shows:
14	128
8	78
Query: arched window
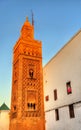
31	73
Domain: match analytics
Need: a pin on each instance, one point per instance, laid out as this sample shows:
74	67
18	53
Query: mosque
48	98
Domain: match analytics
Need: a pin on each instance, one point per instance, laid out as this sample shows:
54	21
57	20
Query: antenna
32	18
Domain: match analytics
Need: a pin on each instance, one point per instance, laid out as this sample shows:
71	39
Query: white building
62	87
4	117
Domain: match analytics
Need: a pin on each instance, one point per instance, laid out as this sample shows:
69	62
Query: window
31	72
71	111
55	94
69	89
31	106
14	108
56	114
47	98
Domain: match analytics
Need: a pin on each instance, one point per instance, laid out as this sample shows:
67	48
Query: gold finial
27	18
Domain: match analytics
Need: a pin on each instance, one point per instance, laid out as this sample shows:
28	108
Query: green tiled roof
4	107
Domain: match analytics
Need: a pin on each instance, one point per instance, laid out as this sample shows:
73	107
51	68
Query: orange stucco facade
27	104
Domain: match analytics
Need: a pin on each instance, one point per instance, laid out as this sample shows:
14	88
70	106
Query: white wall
64	122
64	67
4	120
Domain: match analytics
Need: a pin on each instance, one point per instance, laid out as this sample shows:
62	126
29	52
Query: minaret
27	104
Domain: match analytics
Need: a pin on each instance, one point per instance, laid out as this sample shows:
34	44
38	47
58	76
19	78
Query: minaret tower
27	104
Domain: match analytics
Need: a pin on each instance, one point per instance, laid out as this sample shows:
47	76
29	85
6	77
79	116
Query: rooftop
4	107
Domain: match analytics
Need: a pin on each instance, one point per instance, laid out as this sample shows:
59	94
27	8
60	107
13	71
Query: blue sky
56	21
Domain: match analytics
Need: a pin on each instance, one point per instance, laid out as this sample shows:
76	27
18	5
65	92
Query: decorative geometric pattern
29	86
15	90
